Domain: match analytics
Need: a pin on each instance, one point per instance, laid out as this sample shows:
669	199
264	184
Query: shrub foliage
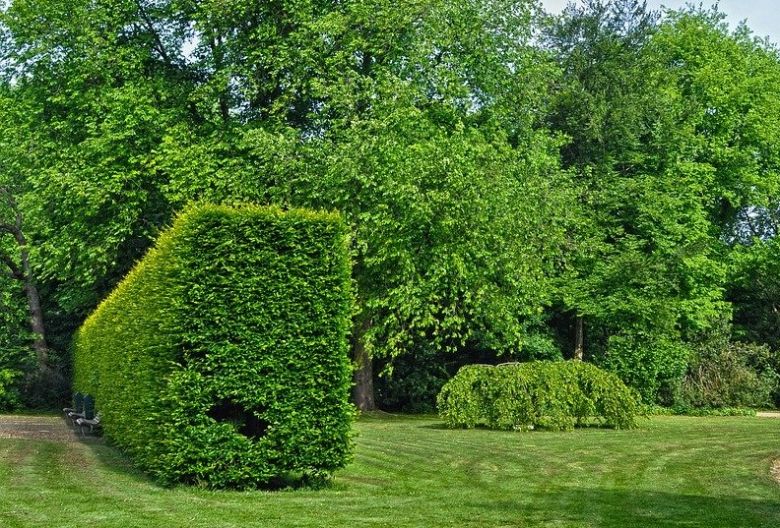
221	359
555	395
9	396
729	375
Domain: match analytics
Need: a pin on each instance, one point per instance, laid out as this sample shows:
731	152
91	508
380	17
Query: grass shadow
441	426
110	457
115	461
638	508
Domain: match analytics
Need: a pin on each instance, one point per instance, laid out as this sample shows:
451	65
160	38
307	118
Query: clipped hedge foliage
222	358
555	395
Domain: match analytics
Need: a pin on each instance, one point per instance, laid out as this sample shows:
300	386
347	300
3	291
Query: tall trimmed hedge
555	395
222	358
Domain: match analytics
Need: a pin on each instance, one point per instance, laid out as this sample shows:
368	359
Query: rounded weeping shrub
222	358
554	395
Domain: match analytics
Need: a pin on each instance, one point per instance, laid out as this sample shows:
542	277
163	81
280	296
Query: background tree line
602	184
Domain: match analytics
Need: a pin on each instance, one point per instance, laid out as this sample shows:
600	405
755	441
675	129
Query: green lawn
408	471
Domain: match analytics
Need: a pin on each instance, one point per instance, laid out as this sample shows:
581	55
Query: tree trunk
363	392
36	314
579	342
25	275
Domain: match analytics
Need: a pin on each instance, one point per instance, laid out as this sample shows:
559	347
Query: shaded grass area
409	471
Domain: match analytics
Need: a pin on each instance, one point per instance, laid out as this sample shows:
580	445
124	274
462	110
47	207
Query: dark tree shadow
636	508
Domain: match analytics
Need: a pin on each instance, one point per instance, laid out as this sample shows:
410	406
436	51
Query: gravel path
37	427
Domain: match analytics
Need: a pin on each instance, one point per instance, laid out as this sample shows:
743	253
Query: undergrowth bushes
221	359
730	375
9	395
653	365
555	395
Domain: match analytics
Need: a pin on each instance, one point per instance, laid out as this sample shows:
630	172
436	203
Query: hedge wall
222	358
554	395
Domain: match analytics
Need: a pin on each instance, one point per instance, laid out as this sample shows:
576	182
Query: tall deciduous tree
641	241
665	156
15	245
424	131
143	105
16	264
437	127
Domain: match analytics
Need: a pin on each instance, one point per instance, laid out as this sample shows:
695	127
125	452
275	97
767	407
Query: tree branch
14	229
14	271
150	27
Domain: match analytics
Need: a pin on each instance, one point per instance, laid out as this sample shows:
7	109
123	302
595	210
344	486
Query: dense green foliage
9	396
754	289
650	363
670	162
508	177
413	118
731	375
221	360
438	166
554	395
